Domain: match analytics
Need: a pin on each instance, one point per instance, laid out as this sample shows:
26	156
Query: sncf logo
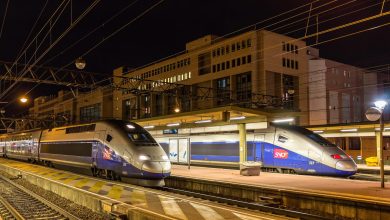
280	153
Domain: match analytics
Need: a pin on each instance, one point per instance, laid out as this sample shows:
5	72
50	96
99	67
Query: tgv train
280	148
109	148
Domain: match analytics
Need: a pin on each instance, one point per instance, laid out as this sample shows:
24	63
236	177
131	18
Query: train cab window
108	138
282	139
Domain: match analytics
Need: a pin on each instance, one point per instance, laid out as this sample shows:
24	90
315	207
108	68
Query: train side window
108	138
282	139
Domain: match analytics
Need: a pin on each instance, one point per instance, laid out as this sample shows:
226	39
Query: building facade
338	93
67	107
233	71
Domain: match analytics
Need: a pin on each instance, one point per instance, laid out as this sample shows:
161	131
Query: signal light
336	156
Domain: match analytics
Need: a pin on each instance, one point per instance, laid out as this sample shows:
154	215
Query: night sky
166	28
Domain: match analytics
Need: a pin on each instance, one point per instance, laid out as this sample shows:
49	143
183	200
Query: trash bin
372	161
250	168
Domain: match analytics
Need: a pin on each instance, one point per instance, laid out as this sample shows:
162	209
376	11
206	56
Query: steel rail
46	202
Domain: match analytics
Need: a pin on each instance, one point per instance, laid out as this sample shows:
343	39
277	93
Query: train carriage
108	148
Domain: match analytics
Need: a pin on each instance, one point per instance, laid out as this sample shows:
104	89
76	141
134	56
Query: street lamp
373	114
23	100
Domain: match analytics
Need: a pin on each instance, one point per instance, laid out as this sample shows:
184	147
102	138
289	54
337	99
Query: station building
217	72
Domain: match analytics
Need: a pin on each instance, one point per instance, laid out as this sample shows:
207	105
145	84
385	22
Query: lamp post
373	114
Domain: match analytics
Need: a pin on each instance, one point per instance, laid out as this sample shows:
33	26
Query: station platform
372	169
146	203
319	185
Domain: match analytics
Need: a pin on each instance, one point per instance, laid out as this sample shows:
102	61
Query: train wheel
94	171
110	174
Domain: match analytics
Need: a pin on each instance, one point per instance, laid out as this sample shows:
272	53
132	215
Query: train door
179	150
99	140
258	147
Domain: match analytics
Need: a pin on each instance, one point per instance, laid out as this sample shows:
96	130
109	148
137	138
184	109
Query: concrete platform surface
163	205
329	186
364	166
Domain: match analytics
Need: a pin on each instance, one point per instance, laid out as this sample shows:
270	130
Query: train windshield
143	137
313	136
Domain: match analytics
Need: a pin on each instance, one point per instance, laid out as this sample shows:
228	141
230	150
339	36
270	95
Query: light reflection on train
280	148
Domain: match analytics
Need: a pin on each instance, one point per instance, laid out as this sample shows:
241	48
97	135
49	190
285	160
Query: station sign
170	131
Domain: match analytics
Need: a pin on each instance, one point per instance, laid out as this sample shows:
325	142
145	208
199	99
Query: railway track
19	203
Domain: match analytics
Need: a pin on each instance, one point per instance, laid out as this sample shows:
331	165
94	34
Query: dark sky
165	30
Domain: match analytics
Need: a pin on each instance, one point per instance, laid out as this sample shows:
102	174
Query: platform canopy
214	117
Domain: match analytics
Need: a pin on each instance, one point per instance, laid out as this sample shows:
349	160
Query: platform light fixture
380	104
203	121
149	127
237	118
318	132
349	130
375	114
23	100
173	124
283	120
80	63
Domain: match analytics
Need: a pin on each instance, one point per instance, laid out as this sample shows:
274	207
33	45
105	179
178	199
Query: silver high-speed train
281	148
110	148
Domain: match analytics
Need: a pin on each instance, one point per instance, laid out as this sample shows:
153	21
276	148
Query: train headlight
165	157
144	157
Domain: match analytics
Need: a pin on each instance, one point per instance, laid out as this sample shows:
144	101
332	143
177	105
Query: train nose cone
346	165
162	169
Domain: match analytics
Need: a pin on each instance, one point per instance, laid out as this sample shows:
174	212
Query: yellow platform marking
207	212
81	183
69	179
97	186
62	175
138	198
172	208
115	192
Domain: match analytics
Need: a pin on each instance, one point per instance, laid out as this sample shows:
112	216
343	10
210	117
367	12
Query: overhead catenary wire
111	35
269	18
4	17
34	39
74	23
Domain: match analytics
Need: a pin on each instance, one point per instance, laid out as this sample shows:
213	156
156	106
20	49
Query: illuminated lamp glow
283	120
130	126
380	104
23	100
203	121
237	118
173	124
318	132
349	130
385	129
149	127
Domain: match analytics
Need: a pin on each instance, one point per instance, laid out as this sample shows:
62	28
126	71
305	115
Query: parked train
108	148
281	148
